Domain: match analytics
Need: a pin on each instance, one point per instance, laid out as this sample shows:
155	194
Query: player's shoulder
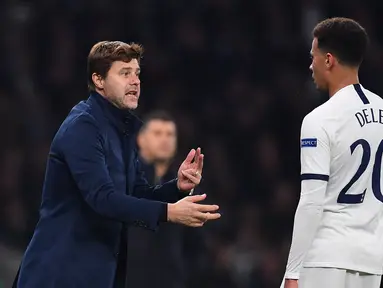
371	96
354	95
317	115
339	104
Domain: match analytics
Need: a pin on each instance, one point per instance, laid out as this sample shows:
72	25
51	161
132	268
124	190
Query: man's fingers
196	224
192	172
195	198
213	216
190	156
200	163
197	154
198	160
206	207
203	218
207	216
189	174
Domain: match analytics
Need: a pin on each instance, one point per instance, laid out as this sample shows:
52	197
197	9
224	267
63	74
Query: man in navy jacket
94	188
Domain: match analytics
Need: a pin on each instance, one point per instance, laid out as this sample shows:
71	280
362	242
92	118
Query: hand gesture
190	171
187	212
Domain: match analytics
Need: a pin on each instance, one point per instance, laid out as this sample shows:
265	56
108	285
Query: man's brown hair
345	38
103	54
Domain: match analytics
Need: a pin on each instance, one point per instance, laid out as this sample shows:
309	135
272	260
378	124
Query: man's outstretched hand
188	212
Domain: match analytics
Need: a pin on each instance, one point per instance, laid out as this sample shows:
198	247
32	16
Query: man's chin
131	105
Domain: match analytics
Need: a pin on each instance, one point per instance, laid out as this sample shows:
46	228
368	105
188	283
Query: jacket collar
124	120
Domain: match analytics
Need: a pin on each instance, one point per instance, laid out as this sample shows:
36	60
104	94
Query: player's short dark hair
345	38
104	53
156	115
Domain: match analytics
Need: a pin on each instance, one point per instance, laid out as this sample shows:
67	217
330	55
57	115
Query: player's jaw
318	79
320	84
315	81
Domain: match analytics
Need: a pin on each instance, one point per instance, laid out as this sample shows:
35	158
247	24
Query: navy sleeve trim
310	176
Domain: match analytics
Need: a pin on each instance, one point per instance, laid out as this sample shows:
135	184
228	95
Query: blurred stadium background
233	73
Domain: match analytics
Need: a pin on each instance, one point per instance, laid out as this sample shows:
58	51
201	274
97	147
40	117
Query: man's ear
98	81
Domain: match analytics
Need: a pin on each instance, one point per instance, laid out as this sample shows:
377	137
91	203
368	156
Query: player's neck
343	81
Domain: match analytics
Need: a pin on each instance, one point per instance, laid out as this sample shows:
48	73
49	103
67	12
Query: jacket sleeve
81	145
167	192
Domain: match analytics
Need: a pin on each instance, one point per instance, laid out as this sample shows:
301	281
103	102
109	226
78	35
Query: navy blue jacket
91	177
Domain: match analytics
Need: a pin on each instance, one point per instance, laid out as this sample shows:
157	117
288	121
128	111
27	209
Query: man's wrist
177	183
189	192
170	212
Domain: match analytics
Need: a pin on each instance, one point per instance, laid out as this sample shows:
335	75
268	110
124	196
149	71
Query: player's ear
329	60
98	81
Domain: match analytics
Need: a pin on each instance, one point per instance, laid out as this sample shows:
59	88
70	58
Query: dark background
233	73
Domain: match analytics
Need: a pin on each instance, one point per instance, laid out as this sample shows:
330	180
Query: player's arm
315	168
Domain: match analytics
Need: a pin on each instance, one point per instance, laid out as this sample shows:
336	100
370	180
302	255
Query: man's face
121	85
318	66
158	140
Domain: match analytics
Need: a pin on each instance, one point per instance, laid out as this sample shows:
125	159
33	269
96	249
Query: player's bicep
315	151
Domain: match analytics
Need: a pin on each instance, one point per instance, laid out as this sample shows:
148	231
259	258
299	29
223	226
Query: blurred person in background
94	188
160	252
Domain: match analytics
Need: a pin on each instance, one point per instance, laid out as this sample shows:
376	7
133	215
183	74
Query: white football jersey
342	143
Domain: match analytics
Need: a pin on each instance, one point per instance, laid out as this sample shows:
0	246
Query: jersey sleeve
306	221
315	168
315	149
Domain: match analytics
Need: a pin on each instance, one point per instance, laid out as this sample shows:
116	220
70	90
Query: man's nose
135	80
